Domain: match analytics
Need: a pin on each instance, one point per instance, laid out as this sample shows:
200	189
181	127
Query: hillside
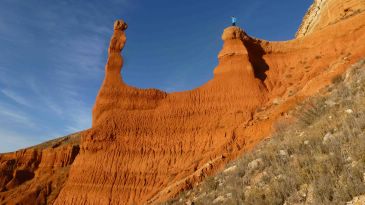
316	155
145	146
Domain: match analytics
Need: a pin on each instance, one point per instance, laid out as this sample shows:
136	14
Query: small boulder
276	101
330	103
219	199
230	169
283	153
255	164
328	138
359	200
189	203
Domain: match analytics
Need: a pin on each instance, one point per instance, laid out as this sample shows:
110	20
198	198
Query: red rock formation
35	175
143	140
327	12
146	145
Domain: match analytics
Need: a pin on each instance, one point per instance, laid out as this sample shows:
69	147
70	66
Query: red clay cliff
146	145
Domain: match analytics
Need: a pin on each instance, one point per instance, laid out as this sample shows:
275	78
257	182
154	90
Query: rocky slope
145	145
36	175
318	158
323	13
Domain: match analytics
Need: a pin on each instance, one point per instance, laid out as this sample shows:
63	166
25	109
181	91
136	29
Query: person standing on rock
234	21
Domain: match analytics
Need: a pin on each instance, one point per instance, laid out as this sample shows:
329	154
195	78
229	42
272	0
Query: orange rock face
323	13
35	175
146	145
144	140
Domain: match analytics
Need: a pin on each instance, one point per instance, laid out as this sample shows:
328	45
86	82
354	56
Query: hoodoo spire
234	58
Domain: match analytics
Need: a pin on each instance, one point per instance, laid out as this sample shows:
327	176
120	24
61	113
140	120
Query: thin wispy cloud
11	115
68	56
15	97
81	58
53	55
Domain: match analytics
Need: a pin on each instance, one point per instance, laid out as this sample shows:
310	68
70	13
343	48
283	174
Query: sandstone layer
36	175
146	145
144	140
323	13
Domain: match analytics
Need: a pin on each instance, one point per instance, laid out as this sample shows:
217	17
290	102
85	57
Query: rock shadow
255	54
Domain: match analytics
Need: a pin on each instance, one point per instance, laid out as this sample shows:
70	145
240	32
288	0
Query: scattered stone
229	195
263	117
276	101
310	195
359	200
303	190
349	111
230	169
328	138
330	103
348	159
283	153
306	142
218	199
255	164
189	203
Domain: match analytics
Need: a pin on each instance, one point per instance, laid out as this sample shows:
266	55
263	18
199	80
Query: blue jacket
234	20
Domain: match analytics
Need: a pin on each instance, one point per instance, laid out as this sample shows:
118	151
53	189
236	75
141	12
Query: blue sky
52	53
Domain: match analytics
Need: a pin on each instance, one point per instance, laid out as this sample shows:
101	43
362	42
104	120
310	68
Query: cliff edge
323	13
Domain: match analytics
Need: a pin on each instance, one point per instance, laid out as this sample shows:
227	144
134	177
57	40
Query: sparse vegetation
72	139
318	160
